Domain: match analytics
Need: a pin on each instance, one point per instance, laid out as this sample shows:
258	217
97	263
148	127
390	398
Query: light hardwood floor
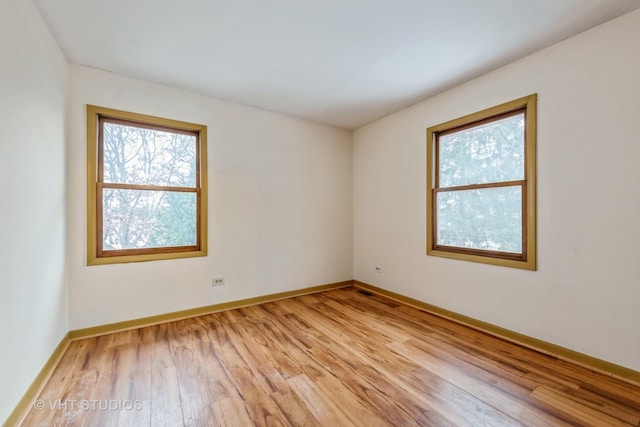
336	358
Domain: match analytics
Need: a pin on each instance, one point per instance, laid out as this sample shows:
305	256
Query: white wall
586	291
280	206
33	282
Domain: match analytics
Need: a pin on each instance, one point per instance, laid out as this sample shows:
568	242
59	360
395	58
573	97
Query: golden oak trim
94	113
528	261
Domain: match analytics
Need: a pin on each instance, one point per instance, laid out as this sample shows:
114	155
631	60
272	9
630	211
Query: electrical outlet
378	269
217	281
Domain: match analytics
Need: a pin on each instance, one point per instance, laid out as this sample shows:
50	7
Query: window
146	189
481	189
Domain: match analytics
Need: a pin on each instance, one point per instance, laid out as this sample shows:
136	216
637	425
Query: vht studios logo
89	405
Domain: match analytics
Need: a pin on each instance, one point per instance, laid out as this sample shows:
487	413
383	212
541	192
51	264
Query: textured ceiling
342	62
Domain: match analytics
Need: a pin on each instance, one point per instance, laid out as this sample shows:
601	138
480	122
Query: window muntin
481	186
146	187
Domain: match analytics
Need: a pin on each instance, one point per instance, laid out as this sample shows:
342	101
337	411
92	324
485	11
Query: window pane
492	152
487	218
134	155
134	219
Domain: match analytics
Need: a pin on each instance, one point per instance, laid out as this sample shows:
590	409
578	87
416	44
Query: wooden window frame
527	258
96	255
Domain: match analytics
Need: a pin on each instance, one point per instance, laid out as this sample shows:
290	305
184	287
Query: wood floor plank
340	357
135	406
481	390
165	406
248	341
616	390
568	408
231	412
105	390
295	410
618	397
261	409
166	409
412	378
323	409
382	395
342	397
487	372
192	379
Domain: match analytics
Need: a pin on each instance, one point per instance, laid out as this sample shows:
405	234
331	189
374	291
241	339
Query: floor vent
365	293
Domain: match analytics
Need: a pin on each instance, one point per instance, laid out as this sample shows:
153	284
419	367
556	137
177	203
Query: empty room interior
320	213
